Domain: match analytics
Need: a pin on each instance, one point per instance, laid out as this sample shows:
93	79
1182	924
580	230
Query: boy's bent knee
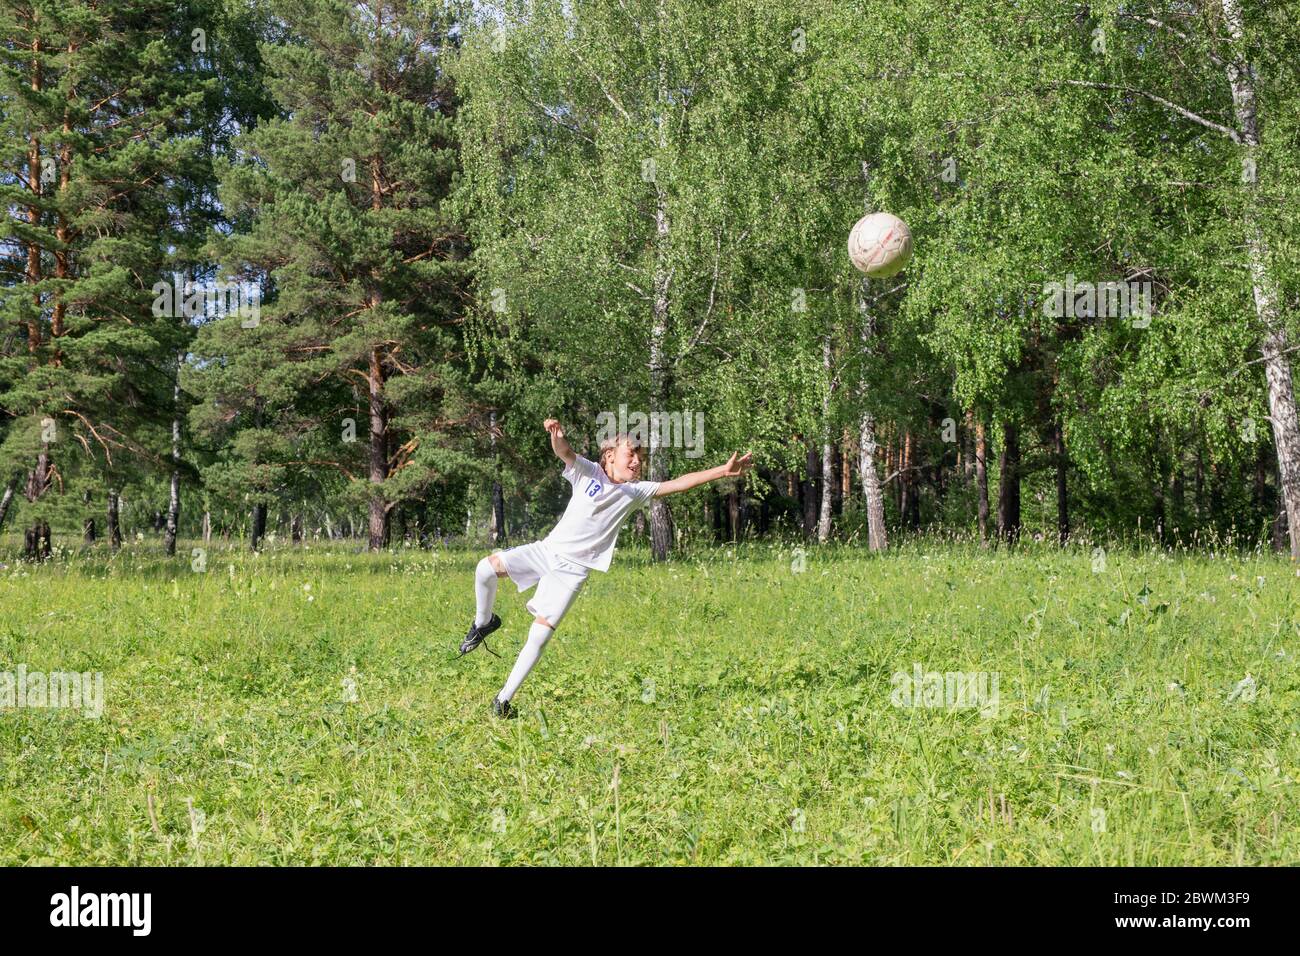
498	565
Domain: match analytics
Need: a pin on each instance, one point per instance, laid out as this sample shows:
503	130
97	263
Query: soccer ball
880	245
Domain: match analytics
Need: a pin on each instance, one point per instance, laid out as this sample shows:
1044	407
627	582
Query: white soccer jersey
589	528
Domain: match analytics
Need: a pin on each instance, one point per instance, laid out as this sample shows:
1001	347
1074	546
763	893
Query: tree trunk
828	493
905	489
1009	485
982	481
498	514
207	528
36	543
872	492
1279	521
7	499
1200	485
845	471
1282	412
1158	496
1277	367
913	484
259	525
114	527
899	470
661	531
660	516
295	528
88	530
498	497
812	462
1062	496
968	446
828	450
890	466
378	454
939	474
38	479
174	497
1216	496
1177	494
1259	492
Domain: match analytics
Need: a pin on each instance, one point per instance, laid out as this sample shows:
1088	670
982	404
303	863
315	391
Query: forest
302	270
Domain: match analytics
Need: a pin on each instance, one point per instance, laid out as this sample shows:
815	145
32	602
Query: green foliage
340	204
492	214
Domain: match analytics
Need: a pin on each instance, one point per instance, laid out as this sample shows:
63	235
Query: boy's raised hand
559	445
737	465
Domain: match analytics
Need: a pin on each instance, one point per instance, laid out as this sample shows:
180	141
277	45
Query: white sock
538	635
485	591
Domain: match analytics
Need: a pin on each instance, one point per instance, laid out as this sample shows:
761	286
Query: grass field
306	707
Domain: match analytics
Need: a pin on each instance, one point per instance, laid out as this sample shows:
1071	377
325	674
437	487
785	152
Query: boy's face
624	463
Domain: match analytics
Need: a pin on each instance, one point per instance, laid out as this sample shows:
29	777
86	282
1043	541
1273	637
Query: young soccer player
604	496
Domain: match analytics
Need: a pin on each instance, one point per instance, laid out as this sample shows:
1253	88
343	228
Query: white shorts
558	580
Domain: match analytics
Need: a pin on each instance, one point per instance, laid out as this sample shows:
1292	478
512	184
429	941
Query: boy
604	496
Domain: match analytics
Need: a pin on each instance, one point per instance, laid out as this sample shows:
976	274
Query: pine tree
97	126
340	219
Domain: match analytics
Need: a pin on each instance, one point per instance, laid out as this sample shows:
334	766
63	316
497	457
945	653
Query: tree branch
1186	38
1227	131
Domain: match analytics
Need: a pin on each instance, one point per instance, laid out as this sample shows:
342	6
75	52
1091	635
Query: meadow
735	706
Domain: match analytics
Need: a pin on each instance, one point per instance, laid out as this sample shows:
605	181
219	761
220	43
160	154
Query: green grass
716	710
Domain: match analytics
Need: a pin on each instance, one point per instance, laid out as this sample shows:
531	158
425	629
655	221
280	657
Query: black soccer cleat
476	635
502	708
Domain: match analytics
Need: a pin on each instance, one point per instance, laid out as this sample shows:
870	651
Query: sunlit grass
306	706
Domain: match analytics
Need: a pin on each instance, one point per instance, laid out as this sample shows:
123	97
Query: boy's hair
607	446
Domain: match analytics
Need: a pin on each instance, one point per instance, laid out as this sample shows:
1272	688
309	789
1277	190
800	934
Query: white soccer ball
880	245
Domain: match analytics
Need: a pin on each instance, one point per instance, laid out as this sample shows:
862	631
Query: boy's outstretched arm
559	444
736	466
